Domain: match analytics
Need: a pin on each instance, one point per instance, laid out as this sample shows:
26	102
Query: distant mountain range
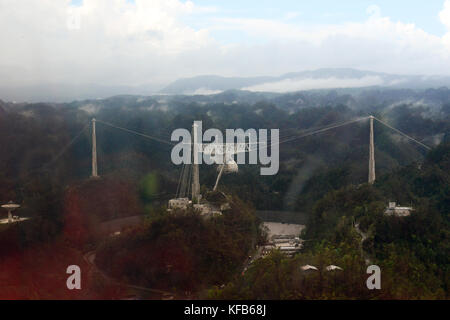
55	92
338	78
306	80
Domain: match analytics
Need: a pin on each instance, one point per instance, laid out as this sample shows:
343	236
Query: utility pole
94	151
195	170
371	154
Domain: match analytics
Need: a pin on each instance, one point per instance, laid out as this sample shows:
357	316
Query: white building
207	210
394	210
179	203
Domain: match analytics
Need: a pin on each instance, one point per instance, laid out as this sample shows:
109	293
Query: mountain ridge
323	78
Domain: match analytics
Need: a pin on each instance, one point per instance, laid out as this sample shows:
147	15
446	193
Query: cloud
377	44
112	41
444	16
203	91
288	85
374	11
119	42
292	15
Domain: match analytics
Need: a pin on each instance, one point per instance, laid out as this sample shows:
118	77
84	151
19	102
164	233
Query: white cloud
91	108
444	16
288	85
377	44
112	41
374	11
291	15
204	91
116	42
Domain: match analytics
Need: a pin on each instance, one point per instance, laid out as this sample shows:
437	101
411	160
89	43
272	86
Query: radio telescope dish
230	167
10	207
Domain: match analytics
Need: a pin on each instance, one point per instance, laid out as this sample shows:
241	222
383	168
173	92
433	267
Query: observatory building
179	203
394	210
189	184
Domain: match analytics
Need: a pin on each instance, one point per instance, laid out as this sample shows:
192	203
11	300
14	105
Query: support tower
195	172
94	151
371	154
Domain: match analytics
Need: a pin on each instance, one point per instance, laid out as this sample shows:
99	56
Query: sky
154	42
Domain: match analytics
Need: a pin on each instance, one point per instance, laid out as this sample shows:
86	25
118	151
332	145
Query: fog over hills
58	92
329	78
347	79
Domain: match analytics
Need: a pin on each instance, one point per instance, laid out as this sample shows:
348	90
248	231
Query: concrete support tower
94	151
371	154
195	169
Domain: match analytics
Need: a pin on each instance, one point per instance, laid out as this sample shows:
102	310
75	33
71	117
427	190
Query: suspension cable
136	133
59	155
316	131
179	180
68	145
403	134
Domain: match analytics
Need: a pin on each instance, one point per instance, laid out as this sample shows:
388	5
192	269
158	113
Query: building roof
332	267
308	267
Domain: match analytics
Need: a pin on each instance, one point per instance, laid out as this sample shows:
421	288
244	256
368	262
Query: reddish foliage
96	201
39	272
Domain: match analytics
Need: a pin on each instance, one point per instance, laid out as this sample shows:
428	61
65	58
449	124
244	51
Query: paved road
251	259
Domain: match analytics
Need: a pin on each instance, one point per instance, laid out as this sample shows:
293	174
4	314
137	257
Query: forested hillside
38	152
45	164
413	252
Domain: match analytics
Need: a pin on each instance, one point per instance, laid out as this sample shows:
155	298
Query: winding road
139	291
